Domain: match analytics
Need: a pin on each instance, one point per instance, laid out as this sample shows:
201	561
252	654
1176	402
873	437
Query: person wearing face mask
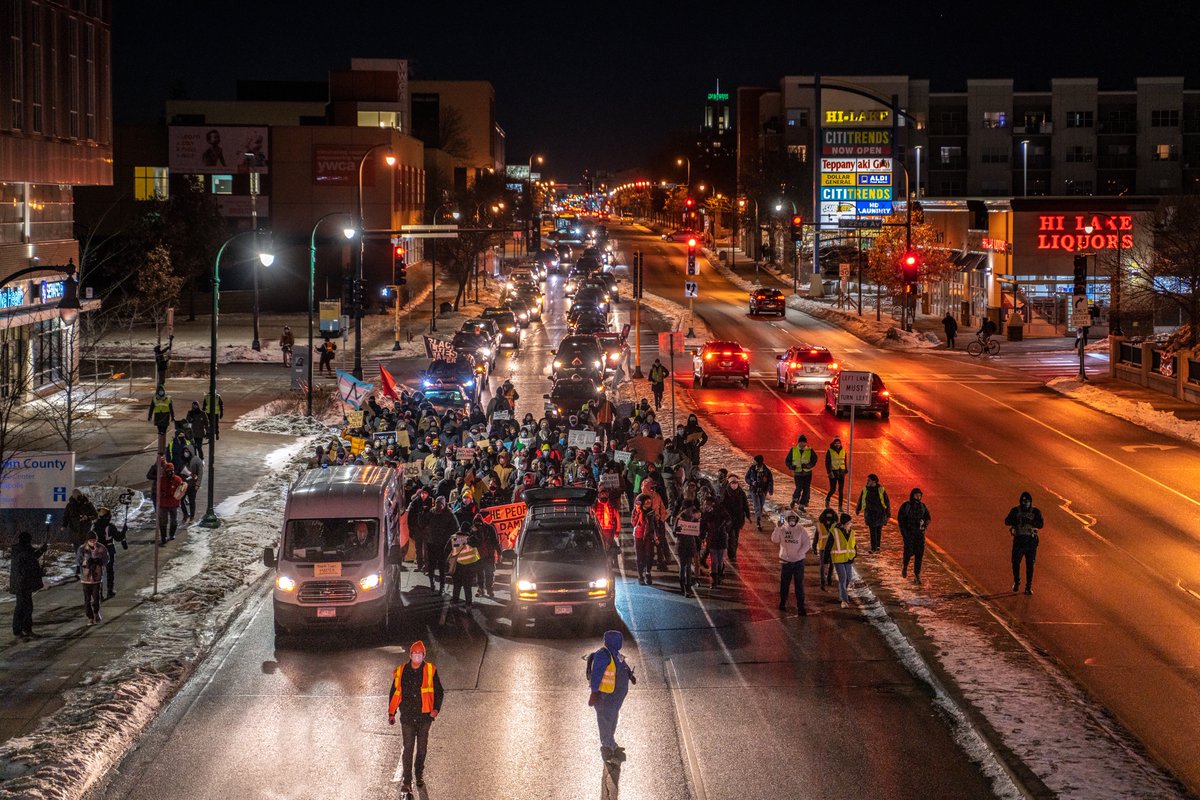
1024	521
416	693
913	518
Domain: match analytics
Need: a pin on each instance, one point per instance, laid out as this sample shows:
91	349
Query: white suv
804	366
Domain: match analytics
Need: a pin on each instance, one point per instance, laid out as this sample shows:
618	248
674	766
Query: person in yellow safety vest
823	544
835	467
162	412
877	506
464	561
800	460
609	678
417	694
214	410
842	556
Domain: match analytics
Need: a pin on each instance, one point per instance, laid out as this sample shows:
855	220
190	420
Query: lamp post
1114	311
680	162
529	208
358	265
1025	167
433	269
917	150
266	258
349	233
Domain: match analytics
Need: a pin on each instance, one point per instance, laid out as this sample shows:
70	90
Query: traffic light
358	298
1080	274
797	227
691	257
399	267
910	266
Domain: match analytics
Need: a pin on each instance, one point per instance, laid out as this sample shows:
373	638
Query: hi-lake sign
36	480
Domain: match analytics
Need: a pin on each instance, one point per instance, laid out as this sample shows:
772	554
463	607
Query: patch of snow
281	424
881	333
1136	411
676	315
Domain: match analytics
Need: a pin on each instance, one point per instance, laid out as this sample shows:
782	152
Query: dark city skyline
606	88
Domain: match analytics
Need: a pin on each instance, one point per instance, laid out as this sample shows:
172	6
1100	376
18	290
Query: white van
340	551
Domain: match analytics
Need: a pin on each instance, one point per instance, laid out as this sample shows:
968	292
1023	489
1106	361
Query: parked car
721	360
804	366
767	301
560	566
881	401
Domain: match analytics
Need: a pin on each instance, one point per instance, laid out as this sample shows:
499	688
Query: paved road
732	701
1117	595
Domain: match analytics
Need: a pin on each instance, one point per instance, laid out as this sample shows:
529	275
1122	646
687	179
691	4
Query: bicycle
981	346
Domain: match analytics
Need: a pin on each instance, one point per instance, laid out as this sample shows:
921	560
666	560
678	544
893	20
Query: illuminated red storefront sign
1070	232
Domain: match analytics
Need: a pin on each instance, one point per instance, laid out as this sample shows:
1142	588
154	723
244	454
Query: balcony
952	129
1117	162
1042	129
1120	127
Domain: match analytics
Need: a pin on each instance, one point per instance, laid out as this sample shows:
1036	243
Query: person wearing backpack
609	676
877	506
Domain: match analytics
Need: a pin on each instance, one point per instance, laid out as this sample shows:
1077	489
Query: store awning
971	261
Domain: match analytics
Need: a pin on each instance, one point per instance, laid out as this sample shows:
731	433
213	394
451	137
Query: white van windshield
331	540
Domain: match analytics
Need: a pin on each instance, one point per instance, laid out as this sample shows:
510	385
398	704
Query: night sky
602	85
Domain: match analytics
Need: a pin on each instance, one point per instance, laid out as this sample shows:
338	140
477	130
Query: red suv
767	301
721	360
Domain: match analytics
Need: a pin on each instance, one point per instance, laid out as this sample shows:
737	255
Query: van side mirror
269	557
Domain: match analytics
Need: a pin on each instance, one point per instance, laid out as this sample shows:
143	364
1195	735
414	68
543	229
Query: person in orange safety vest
417	694
609	517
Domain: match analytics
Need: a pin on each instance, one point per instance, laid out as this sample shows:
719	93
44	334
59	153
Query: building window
1079	154
150	183
1164	118
50	212
379	119
994	188
12	213
995	119
798	152
1166	152
995	155
17	67
89	54
797	117
73	93
12	361
950	188
222	184
1080	119
47	343
950	155
1078	187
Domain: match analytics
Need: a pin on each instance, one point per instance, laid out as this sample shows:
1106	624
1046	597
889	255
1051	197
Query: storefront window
12	213
12	362
47	342
51	212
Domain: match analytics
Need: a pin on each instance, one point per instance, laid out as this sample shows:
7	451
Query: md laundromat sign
36	480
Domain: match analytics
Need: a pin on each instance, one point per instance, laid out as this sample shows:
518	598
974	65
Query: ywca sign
1069	232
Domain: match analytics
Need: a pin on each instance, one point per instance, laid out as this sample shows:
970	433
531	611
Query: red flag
387	383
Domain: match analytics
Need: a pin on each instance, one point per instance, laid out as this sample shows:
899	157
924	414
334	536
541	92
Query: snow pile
1063	737
882	333
1136	411
71	751
226	354
282	425
676	315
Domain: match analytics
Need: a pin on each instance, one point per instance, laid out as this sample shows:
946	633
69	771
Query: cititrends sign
36	480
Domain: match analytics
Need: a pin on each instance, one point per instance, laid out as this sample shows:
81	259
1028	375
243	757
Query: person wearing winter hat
417	695
794	541
609	679
842	556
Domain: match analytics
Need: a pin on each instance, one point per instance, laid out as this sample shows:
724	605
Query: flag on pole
351	389
387	384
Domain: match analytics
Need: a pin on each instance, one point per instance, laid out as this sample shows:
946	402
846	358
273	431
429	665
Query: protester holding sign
687	547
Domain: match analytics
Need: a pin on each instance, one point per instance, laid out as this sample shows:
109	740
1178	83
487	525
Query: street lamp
529	210
680	162
266	258
1114	311
390	159
918	150
349	233
1025	167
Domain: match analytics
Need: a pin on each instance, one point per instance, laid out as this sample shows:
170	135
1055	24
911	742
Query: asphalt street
1117	590
733	698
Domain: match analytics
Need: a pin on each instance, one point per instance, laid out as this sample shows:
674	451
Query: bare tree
452	134
1165	270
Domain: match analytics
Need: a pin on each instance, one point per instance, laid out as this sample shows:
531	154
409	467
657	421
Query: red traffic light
689	202
399	252
911	259
691	242
797	220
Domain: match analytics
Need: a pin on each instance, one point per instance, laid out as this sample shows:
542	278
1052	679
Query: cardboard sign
507	520
647	449
621	456
466	454
502	415
686	528
402	439
412	469
354	419
331	569
610	480
581	440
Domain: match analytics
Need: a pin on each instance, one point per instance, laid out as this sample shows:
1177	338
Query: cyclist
986	331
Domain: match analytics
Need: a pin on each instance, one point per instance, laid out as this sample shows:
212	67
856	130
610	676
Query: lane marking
989	458
788	406
681	717
1087	447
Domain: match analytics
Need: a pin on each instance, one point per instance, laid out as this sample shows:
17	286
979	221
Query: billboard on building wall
337	165
219	149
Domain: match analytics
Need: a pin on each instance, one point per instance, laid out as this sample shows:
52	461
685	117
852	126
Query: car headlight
524	316
595	363
487	351
526	586
469	383
286	584
427	384
601	583
557	364
614	356
369	582
509	284
510	329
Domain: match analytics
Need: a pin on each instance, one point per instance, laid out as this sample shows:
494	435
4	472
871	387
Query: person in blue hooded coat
609	680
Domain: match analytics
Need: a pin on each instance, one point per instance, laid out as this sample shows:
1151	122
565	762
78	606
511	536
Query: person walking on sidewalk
193	468
950	324
416	694
108	535
845	548
24	578
800	460
90	559
214	407
913	519
877	506
761	485
287	341
609	678
327	350
161	412
171	490
1024	521
794	542
658	382
835	468
823	544
199	422
78	515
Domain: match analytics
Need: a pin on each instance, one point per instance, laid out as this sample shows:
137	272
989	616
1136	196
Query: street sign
691	289
430	231
844	271
1081	316
851	223
331	314
854	389
670	342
